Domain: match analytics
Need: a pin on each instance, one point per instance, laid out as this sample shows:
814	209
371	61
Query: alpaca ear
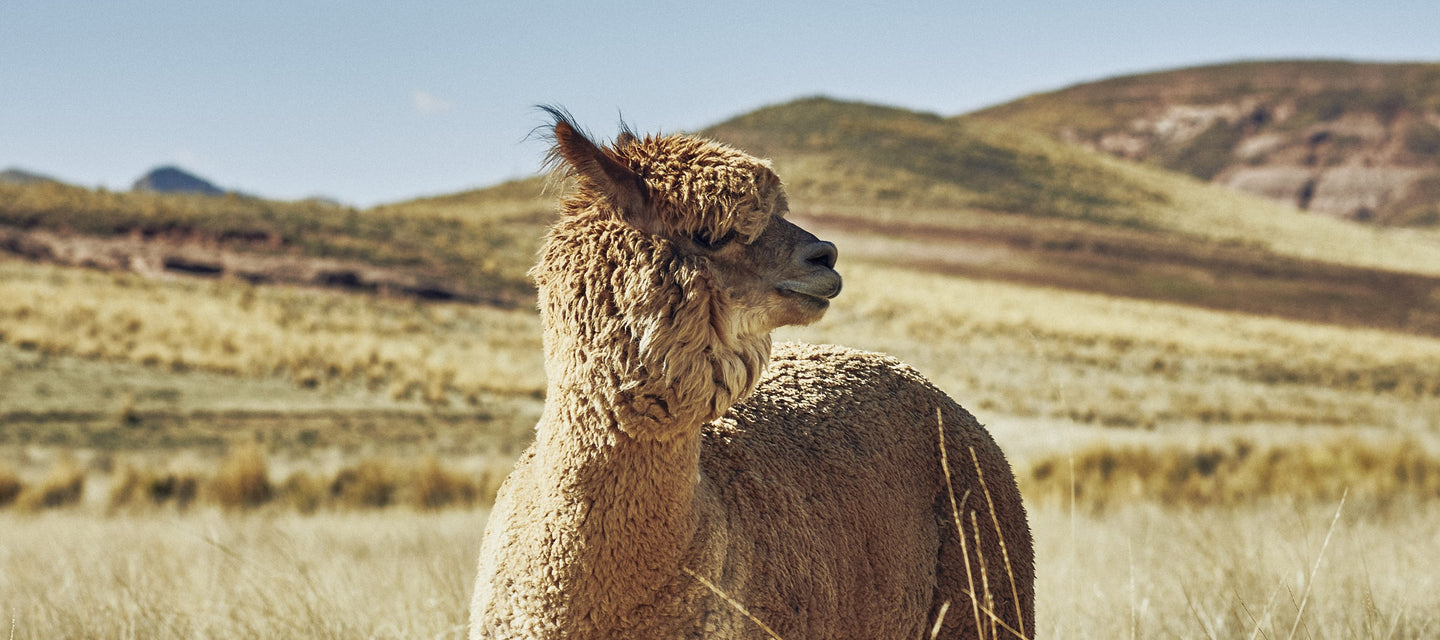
625	190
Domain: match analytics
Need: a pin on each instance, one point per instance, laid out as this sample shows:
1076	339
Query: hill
1346	139
311	242
968	196
15	175
170	179
983	198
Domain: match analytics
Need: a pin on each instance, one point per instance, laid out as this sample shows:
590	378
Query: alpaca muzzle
818	280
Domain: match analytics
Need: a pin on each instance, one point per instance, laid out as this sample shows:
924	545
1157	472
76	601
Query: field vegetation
190	456
1268	569
1141	432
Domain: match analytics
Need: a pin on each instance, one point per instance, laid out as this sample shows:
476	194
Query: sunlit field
209	574
185	458
1273	569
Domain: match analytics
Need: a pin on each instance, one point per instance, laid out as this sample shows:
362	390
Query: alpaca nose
818	254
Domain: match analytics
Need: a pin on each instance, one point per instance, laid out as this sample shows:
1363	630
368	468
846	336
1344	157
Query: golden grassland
1378	472
1028	351
1272	569
245	479
1182	466
1276	569
1005	349
407	348
209	574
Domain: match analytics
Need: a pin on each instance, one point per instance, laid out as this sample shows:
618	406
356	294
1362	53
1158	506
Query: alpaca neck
626	506
638	357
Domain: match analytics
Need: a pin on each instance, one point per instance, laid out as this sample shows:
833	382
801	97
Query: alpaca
685	481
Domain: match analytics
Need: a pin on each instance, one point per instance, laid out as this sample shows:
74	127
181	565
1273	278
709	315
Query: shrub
436	487
243	481
371	483
1236	473
63	487
1423	139
10	487
140	488
303	492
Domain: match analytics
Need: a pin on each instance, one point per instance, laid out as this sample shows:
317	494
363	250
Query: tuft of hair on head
573	154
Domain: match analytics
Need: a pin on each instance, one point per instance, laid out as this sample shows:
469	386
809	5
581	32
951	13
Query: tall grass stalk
1319	557
732	602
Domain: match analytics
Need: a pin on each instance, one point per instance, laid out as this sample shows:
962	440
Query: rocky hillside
1352	140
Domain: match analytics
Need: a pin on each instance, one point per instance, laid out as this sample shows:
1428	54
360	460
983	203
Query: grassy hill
987	199
419	251
968	196
1356	140
900	192
925	199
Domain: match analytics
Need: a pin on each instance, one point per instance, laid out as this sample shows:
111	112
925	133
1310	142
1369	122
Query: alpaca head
674	259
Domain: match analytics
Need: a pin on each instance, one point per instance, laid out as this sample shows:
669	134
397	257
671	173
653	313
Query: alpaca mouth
821	288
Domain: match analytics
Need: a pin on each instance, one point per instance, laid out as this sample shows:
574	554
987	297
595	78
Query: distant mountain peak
172	179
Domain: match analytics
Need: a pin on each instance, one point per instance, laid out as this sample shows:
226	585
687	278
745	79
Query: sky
373	102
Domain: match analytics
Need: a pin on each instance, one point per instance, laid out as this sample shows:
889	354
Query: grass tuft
435	487
135	487
304	492
243	481
371	483
64	486
1239	472
10	487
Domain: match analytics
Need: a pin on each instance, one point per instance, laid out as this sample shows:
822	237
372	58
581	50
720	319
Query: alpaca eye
708	242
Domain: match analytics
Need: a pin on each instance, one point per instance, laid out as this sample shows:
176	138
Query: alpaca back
840	523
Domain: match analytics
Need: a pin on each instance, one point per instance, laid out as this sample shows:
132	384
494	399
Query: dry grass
371	483
435	487
1013	350
208	574
1138	570
10	486
135	487
1143	570
63	486
1237	473
436	353
243	481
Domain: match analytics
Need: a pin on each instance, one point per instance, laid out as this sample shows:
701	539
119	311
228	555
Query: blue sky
372	102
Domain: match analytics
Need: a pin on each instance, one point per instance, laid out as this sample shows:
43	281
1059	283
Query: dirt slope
1352	140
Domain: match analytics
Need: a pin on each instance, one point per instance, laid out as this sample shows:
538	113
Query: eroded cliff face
1361	166
1358	141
